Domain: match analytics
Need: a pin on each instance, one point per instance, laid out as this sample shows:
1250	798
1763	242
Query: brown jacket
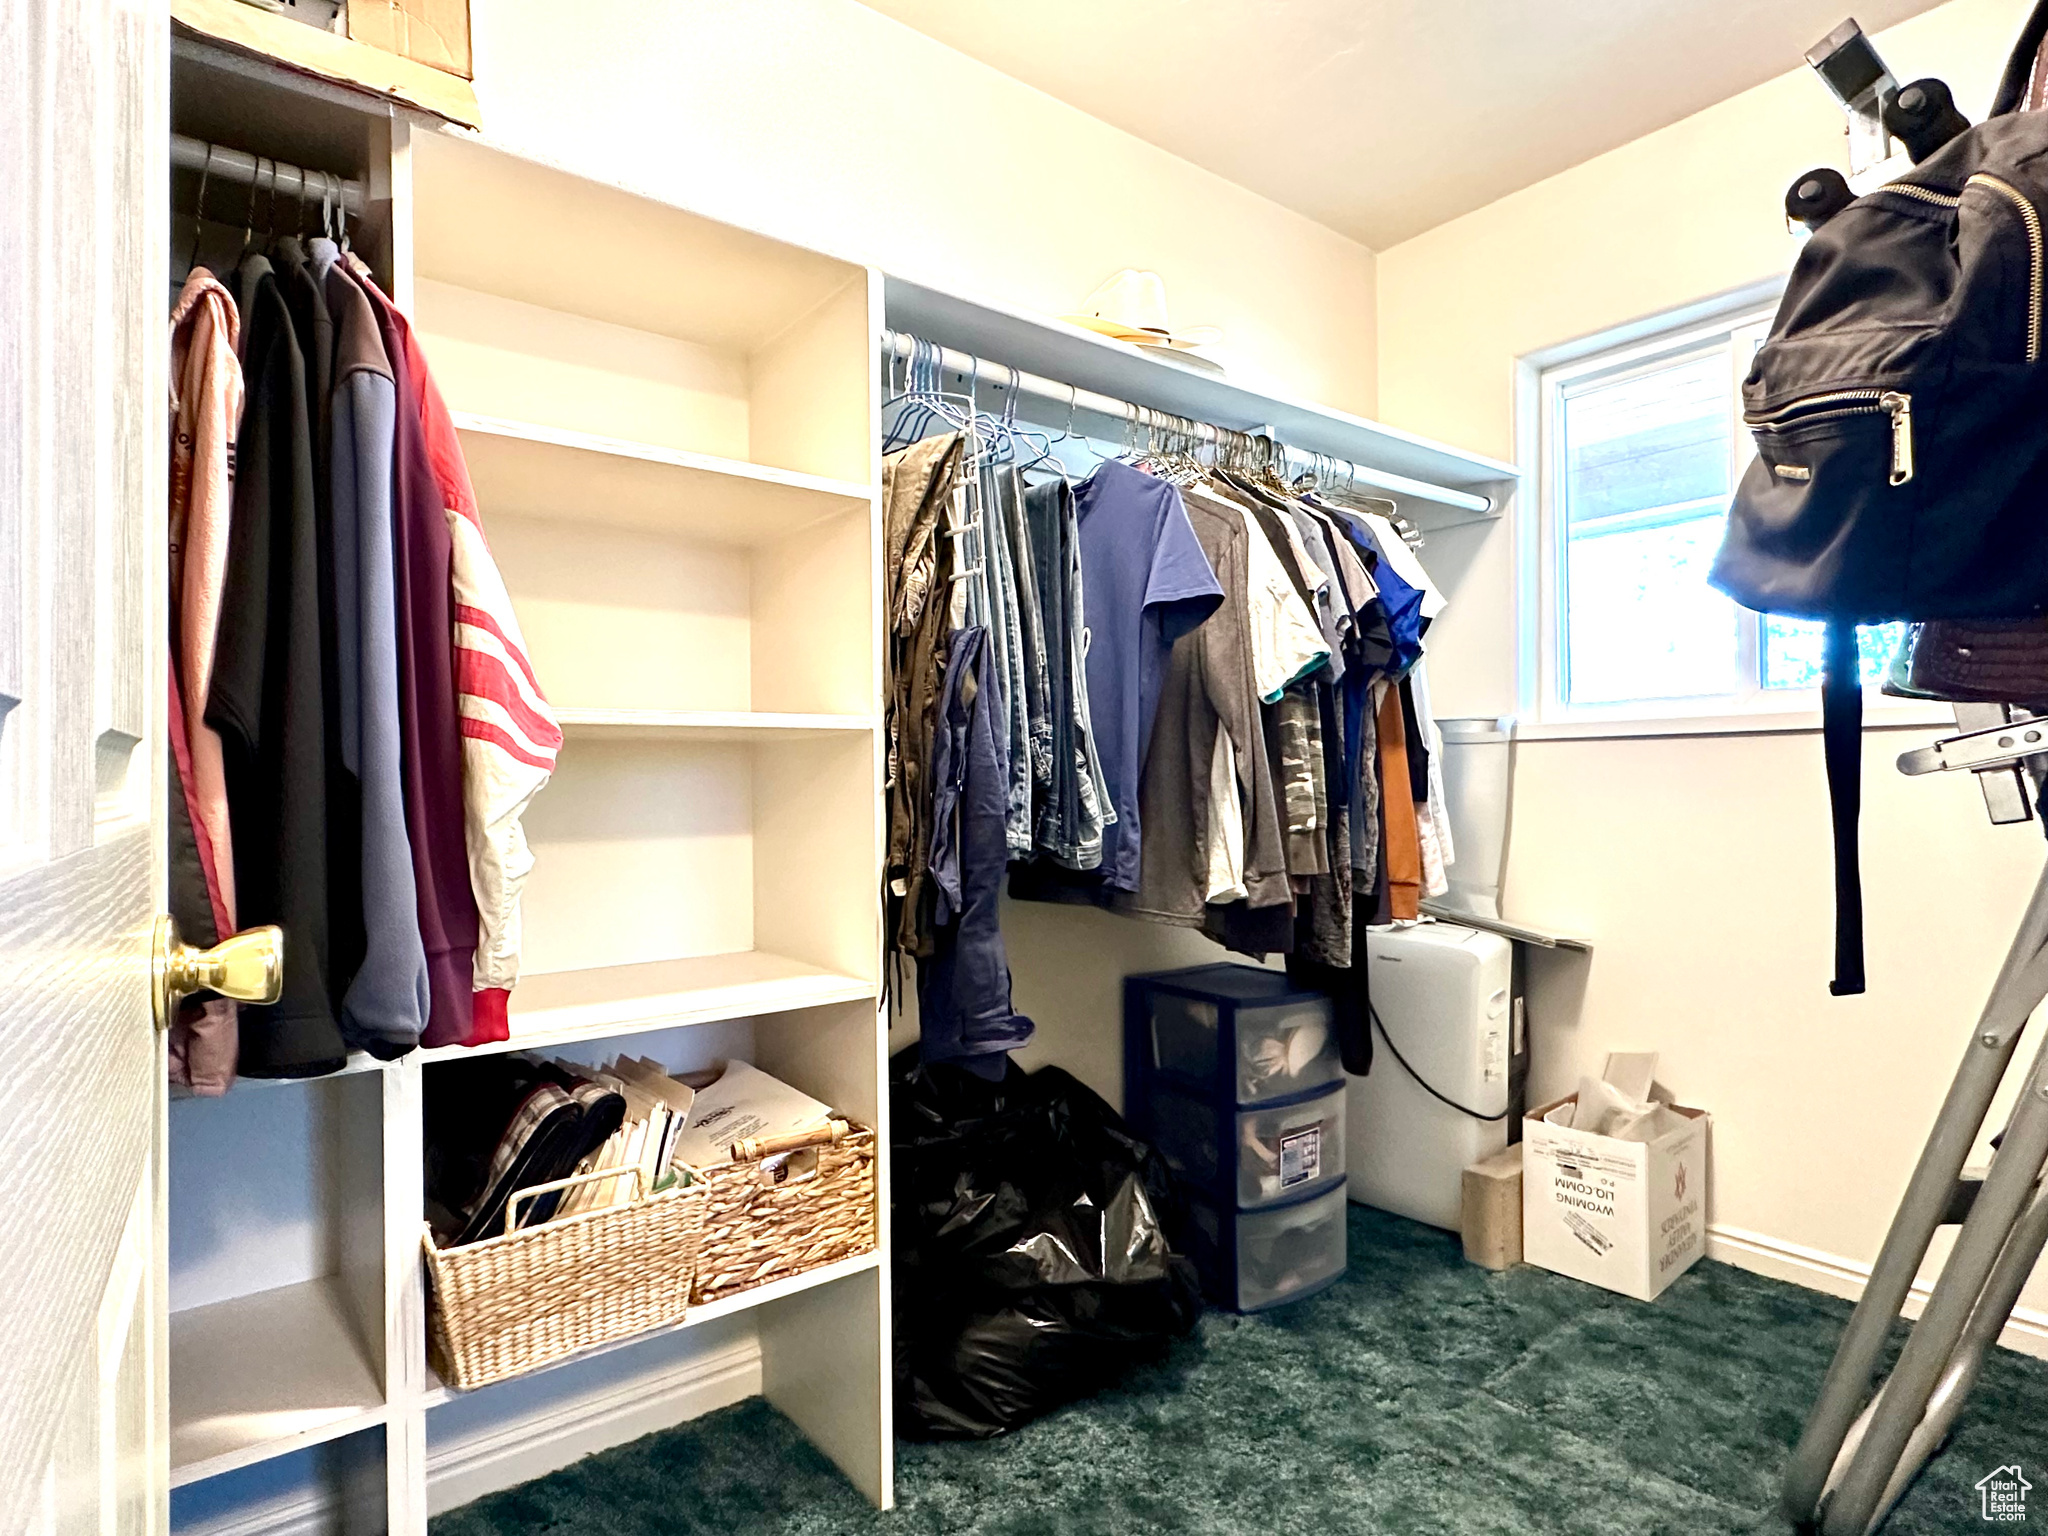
917	560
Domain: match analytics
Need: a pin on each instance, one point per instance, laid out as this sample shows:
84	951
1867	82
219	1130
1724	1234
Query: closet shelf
558	1007
1041	345
263	1375
524	469
706	724
743	1301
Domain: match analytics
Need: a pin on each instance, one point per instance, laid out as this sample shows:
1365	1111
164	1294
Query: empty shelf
524	470
707	725
265	1374
560	1006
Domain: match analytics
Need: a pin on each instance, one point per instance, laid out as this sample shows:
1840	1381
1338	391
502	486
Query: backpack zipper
1924	194
1900	405
2030	216
1894	403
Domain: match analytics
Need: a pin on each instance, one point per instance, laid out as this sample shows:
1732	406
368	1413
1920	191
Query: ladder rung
1963	1198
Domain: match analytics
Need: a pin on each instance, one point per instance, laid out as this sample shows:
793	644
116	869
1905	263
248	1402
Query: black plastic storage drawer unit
1233	1073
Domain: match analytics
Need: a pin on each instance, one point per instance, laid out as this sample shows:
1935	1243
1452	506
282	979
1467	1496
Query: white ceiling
1383	118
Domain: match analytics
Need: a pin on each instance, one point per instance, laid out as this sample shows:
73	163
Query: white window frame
1742	321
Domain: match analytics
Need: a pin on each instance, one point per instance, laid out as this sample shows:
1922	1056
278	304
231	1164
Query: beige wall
828	124
825	123
1699	866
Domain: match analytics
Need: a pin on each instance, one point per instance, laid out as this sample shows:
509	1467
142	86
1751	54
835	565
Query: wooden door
83	264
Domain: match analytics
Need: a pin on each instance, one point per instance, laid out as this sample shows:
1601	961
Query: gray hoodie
386	1005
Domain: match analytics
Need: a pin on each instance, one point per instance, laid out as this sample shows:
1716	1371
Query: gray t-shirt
1208	708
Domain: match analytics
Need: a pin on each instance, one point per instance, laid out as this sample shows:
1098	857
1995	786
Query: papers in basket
743	1102
671	1126
657	1108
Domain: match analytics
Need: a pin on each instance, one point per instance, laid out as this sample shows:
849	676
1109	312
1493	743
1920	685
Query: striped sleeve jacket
509	735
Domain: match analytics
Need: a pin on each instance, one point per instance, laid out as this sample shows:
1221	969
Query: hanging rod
901	345
290	182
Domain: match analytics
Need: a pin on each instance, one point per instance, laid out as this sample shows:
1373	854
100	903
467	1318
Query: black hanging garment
269	697
1900	409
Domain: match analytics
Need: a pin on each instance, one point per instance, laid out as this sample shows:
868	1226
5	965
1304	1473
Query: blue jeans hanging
963	989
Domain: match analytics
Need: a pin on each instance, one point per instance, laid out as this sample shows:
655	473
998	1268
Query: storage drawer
1250	1260
1285	1050
1235	1034
1184	1035
1252	1157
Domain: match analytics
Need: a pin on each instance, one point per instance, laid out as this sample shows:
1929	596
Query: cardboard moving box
420	55
1627	1215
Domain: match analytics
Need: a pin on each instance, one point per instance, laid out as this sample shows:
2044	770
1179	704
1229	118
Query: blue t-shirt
1144	583
1401	602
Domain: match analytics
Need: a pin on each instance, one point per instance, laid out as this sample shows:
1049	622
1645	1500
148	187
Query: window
1642	448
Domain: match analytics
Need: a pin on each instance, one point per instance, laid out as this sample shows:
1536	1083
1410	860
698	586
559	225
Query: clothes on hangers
917	489
355	727
1399	833
963	986
430	727
1146	582
205	412
510	737
1031	709
1075	809
269	698
1244	662
1001	491
388	1000
1207	793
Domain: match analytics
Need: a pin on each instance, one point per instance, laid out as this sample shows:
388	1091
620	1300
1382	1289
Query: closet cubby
681	875
277	1284
626	623
338	1486
814	1344
578	308
671	426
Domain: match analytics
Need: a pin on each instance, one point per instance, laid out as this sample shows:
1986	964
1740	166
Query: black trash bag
1032	1264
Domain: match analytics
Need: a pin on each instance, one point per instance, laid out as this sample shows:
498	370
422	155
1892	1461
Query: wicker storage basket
537	1295
784	1205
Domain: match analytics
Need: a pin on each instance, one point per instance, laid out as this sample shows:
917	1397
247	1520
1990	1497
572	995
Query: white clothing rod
288	183
902	345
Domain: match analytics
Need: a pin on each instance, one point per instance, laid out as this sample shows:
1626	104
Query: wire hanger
199	211
249	211
924	401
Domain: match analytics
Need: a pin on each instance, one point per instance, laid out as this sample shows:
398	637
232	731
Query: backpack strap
1841	713
2019	69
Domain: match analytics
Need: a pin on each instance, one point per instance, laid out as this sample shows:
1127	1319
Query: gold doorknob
247	966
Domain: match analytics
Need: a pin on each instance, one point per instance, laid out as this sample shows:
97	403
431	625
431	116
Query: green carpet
1420	1395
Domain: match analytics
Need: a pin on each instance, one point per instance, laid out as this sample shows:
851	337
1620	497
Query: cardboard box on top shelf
430	32
1614	1184
427	69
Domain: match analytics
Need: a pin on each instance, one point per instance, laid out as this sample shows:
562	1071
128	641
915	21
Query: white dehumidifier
1444	997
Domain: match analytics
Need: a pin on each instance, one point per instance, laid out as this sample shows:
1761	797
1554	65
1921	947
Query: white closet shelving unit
672	426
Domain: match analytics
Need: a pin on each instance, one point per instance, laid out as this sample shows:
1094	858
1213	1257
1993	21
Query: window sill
1893	715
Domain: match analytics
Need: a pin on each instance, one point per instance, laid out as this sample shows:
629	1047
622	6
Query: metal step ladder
1855	1460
